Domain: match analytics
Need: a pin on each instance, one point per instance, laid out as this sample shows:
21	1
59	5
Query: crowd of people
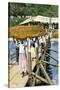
28	45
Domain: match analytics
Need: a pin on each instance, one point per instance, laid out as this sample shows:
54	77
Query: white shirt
40	41
36	44
21	48
43	38
17	45
33	39
46	36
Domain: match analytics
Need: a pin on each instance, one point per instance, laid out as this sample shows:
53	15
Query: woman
22	59
33	51
44	41
42	44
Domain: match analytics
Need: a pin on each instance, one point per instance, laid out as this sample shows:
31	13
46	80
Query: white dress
33	52
22	59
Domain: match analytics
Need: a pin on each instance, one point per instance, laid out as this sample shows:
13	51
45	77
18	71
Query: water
11	51
12	47
54	70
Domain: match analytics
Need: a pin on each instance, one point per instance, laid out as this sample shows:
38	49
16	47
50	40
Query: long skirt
22	63
33	52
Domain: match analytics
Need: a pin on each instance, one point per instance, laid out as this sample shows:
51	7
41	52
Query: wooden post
34	79
45	74
49	63
36	74
39	77
30	68
29	63
36	54
29	57
37	60
37	67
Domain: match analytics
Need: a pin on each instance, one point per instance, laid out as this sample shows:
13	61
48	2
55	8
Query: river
54	70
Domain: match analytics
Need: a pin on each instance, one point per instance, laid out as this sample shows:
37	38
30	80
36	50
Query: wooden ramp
15	77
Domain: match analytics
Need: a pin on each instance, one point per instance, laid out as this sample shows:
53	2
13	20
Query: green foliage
32	9
23	9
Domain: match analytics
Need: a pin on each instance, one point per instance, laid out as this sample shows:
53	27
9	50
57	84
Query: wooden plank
29	62
49	63
35	77
12	71
16	79
45	74
19	81
40	78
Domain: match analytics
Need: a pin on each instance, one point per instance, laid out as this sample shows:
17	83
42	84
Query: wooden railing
33	76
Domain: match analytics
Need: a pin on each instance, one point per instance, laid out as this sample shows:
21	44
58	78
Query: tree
25	9
32	9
